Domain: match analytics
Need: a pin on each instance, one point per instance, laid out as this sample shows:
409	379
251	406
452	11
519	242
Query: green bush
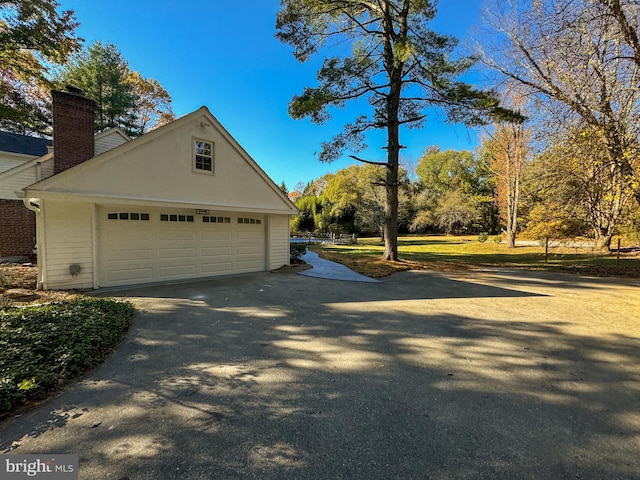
297	250
497	239
483	237
43	345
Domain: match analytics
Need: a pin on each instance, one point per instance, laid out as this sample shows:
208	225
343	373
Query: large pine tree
396	62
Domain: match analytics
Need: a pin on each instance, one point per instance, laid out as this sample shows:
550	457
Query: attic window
203	153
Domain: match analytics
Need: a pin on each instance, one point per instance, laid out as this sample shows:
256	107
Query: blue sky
223	54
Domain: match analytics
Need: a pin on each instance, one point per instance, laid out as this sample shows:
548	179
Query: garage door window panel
136	216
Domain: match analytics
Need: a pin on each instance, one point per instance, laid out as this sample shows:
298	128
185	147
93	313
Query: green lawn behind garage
464	252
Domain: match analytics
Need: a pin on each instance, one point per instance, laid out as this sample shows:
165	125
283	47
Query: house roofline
147	202
49	183
18	168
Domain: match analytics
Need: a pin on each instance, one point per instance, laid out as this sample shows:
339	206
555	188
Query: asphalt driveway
488	375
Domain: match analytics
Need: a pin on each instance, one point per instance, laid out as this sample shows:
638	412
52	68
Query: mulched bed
18	275
24	276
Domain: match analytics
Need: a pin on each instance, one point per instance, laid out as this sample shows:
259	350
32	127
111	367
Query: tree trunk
391	214
394	71
603	242
513	168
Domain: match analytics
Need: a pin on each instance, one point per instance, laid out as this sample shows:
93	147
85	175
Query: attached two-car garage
147	211
140	245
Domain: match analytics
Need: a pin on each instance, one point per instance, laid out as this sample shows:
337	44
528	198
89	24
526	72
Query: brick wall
72	129
17	229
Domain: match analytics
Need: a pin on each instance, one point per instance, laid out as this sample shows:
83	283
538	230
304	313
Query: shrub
497	239
296	251
42	345
483	237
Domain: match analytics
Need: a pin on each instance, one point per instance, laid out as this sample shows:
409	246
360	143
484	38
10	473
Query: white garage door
138	245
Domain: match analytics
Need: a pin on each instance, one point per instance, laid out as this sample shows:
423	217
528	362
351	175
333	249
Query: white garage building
180	202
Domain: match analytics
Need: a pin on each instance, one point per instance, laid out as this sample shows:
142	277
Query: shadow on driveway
497	374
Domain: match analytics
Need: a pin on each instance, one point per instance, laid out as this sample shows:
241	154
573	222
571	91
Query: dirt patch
375	267
16	275
25	277
293	268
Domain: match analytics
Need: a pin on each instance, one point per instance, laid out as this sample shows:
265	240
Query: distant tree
397	63
441	171
370	214
307	221
152	104
123	97
25	106
34	36
354	197
506	149
576	59
454	211
102	73
577	174
341	197
553	221
296	193
283	188
440	174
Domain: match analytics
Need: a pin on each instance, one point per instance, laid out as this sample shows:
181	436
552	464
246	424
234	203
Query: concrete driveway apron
496	375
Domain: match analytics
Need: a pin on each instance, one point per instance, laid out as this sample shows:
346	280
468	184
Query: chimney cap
73	90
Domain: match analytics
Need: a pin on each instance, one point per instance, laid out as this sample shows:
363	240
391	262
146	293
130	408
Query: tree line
40	51
462	192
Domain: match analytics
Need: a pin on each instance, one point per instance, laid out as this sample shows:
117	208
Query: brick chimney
72	129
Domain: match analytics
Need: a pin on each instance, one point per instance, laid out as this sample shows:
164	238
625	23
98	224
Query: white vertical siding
69	240
278	241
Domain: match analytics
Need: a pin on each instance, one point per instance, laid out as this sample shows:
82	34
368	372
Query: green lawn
463	252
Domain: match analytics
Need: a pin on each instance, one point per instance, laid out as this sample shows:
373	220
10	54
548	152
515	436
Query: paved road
494	375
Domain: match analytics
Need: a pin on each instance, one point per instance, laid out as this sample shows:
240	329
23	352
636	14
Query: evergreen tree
396	62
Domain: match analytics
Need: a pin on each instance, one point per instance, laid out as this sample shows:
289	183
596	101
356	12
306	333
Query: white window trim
193	157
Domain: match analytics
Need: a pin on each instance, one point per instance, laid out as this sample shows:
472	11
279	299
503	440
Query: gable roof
157	169
23	144
112	131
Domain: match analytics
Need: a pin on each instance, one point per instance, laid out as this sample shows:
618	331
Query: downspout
267	238
34	204
94	246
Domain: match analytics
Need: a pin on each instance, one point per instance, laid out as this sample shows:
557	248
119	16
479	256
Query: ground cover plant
43	346
466	252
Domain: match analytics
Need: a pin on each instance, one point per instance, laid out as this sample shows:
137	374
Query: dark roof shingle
15	143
